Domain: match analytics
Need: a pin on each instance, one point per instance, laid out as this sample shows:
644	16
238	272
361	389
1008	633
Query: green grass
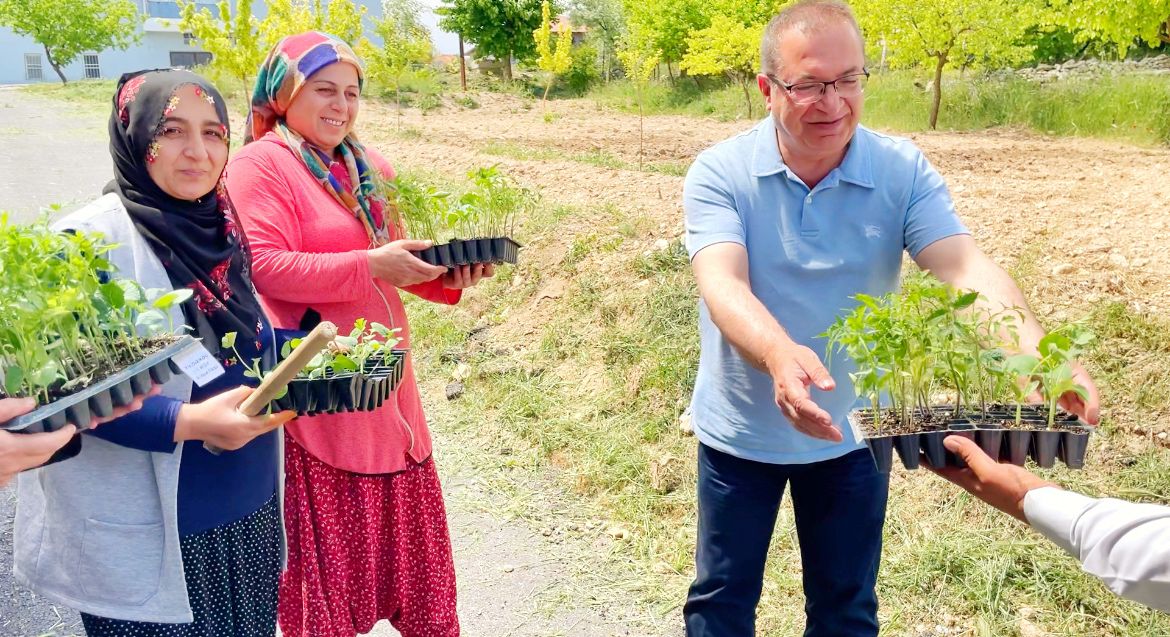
587	397
600	158
91	95
723	102
1132	108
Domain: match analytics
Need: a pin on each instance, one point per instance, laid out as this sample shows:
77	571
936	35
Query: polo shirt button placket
808	228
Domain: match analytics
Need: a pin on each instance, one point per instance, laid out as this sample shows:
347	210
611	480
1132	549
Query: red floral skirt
362	548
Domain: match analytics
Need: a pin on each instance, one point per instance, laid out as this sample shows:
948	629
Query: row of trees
685	37
237	40
721	37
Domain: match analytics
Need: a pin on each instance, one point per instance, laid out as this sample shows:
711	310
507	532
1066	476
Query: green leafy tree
606	21
583	71
726	48
406	42
68	28
234	41
1121	23
981	33
239	42
499	28
1053	43
665	25
553	61
341	18
747	11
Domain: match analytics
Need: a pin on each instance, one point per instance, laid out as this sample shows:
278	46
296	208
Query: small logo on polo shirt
873	232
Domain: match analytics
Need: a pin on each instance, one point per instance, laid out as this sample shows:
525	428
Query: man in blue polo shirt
786	223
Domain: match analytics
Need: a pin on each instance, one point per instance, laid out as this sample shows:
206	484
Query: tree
238	44
1122	23
234	42
341	18
981	33
728	48
552	61
406	42
639	59
606	21
665	25
499	28
68	28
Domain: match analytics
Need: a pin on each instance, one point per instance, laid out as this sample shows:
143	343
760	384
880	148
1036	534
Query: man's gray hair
806	16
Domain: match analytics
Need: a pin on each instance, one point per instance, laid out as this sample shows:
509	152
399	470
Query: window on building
170	9
163	10
92	70
188	39
189	59
32	67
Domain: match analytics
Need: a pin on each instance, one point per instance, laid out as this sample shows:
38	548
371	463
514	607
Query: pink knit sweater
310	252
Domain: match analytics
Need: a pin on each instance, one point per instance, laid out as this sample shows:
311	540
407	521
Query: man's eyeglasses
805	93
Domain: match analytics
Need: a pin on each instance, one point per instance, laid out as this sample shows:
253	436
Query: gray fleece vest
99	532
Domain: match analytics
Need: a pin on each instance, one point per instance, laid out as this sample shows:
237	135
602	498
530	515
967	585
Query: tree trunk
747	95
462	66
936	99
508	66
641	117
698	84
669	72
398	100
52	63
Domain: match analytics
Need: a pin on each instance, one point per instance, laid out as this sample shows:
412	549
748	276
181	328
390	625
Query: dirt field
1080	222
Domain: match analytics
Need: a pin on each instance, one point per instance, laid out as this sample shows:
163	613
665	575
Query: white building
161	45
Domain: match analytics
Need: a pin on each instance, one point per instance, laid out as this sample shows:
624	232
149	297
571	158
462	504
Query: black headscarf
199	242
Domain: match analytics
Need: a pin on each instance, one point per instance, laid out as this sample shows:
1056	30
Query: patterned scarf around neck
283	74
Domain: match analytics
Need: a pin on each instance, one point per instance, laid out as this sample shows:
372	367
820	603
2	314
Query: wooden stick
278	379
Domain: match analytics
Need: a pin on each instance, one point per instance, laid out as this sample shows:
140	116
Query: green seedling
487	207
64	323
930	338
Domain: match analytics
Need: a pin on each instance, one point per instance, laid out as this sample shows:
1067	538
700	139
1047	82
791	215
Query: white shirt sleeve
1124	544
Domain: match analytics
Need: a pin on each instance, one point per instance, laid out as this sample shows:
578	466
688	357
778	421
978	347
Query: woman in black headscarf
145	532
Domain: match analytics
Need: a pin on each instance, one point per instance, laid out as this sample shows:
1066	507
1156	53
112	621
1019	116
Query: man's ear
766	89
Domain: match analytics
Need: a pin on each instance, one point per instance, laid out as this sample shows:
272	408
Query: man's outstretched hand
794	368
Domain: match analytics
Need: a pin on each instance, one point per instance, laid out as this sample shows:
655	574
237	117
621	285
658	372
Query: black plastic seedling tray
472	251
100	398
994	431
364	390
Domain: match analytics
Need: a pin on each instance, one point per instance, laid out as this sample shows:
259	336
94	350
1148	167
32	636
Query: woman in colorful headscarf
367	530
144	531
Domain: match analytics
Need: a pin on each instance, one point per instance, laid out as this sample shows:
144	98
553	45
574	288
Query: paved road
50	155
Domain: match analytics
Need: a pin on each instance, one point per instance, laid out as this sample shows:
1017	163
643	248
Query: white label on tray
199	364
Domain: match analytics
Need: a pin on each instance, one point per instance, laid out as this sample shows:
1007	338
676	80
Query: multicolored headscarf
283	74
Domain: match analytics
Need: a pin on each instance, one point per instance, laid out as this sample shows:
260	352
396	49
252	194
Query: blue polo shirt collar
766	159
